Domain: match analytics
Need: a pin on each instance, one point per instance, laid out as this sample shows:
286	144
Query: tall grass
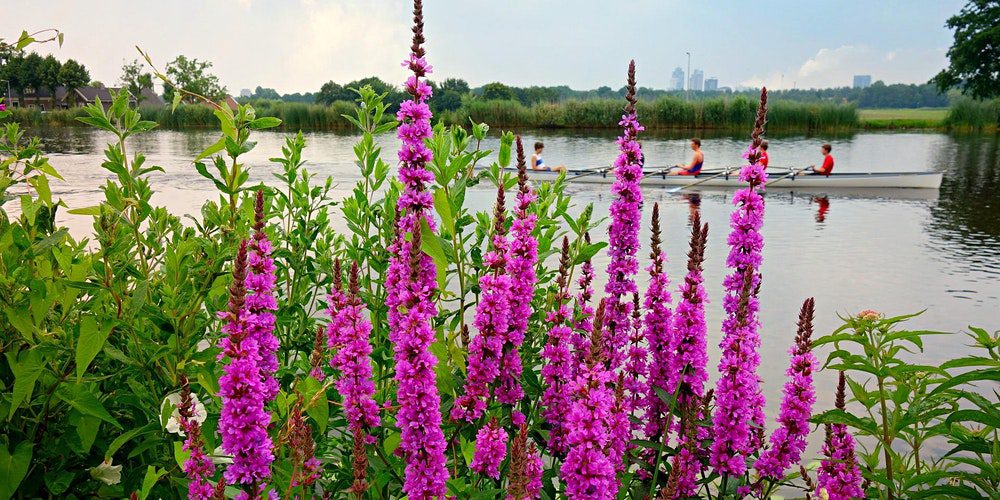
733	113
666	112
969	114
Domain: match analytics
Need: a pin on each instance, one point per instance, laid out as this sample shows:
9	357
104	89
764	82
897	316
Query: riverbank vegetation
428	350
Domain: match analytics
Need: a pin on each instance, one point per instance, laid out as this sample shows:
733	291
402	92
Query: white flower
173	424
107	473
219	457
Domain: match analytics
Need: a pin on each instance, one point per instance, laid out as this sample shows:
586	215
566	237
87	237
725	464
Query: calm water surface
893	252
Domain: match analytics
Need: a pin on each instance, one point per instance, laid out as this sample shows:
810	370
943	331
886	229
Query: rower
827	166
763	154
697	159
537	163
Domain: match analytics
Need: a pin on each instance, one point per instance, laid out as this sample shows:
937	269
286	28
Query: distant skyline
297	45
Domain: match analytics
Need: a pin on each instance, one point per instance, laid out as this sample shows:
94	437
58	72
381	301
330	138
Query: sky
297	45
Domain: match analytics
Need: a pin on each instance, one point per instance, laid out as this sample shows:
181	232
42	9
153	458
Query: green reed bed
668	112
969	114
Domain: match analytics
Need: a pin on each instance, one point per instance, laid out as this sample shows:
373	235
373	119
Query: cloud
836	67
343	41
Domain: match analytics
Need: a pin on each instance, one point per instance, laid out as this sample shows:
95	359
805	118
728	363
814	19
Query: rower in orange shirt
763	154
827	166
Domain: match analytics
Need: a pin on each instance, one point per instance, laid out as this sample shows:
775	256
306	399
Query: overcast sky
297	45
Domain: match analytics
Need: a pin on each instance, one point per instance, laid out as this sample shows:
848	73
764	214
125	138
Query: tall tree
498	91
192	75
73	75
48	74
135	79
975	54
266	93
28	73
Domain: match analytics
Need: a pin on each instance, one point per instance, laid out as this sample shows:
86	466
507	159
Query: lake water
895	252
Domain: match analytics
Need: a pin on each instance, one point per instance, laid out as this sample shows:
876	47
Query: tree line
32	71
449	94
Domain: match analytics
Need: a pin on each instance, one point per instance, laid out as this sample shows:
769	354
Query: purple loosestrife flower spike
839	476
336	301
260	300
521	269
589	472
525	468
243	421
623	234
491	449
688	359
583	321
789	439
739	400
658	334
492	320
558	367
198	466
353	361
305	466
411	285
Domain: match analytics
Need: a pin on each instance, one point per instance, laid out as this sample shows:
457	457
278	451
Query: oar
681	188
660	171
592	172
790	174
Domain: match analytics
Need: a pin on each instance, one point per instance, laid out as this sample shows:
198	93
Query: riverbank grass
900	118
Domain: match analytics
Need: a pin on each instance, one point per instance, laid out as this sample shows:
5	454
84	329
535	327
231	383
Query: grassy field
903	118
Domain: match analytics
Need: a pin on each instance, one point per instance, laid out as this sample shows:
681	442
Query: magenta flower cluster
491	449
560	363
260	301
789	439
839	476
243	421
623	234
493	316
352	358
198	467
739	400
521	269
588	471
411	287
657	331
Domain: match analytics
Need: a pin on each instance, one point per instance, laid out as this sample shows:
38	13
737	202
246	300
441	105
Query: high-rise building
862	81
697	80
677	79
246	92
711	84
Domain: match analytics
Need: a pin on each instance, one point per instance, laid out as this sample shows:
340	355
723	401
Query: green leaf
211	150
128	436
391	443
20	320
176	100
588	252
265	122
92	210
86	429
79	397
152	476
58	482
91	341
443	207
13	467
320	409
973	376
432	245
27	367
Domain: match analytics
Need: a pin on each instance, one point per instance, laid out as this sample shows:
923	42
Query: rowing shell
913	180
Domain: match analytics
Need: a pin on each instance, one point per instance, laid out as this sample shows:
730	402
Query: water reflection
823	206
